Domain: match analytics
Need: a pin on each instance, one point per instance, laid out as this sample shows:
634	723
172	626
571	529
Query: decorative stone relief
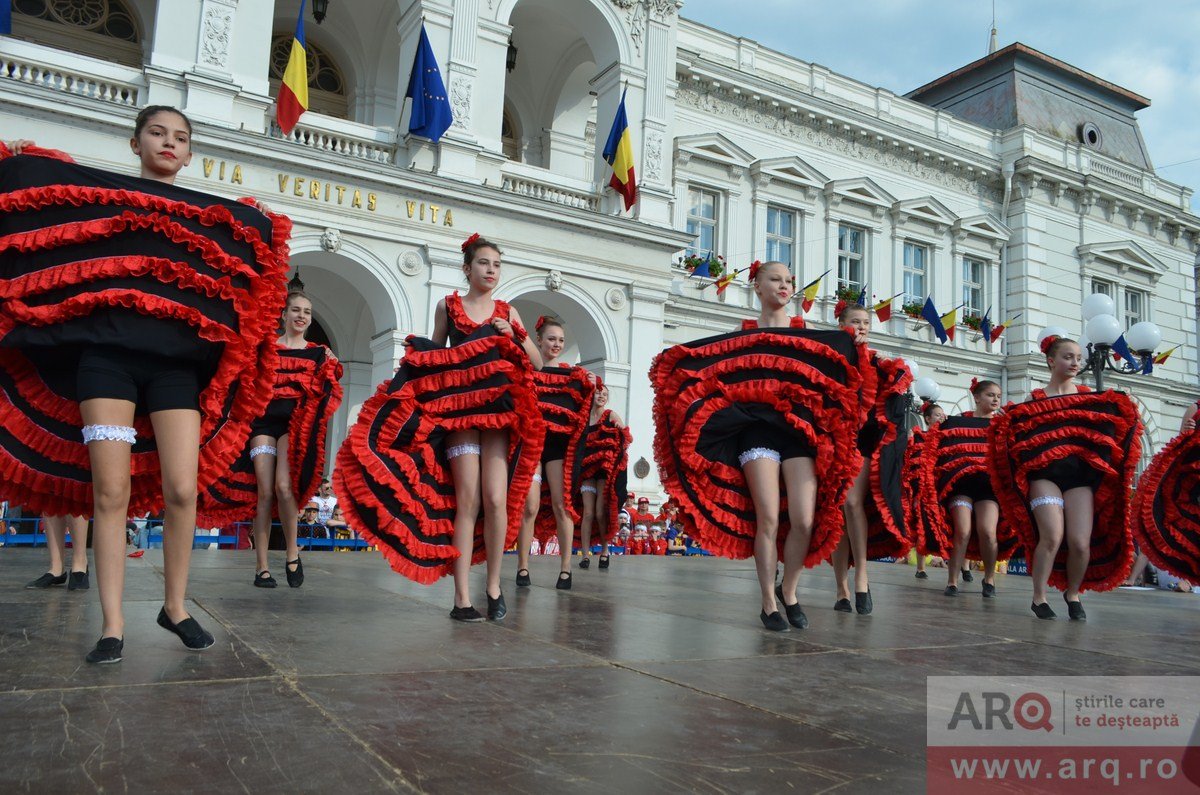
868	149
554	281
615	299
626	3
637	26
410	263
460	101
654	144
331	240
663	8
217	30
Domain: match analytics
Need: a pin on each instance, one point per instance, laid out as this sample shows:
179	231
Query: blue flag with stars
431	112
6	17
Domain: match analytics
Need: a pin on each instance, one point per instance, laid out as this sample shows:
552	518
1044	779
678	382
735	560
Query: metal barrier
28	532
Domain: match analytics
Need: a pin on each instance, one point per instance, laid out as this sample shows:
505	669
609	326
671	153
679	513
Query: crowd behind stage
644	530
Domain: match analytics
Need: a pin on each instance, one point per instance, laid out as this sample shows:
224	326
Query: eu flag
6	17
930	313
431	113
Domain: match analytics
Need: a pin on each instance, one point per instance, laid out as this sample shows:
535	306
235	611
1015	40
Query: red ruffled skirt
565	400
1166	514
392	477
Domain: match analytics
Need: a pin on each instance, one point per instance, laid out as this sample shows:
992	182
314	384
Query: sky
1147	46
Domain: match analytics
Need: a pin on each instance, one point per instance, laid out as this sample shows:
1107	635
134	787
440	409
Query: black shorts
869	437
977	487
276	420
152	382
788	445
1067	474
555	448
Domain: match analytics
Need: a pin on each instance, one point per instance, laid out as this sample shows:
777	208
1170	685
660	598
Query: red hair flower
541	321
839	307
467	243
1046	343
754	266
974	383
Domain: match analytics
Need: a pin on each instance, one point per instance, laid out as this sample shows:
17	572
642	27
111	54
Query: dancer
162	395
285	455
606	447
1166	519
733	413
1061	465
76	578
449	437
955	477
874	510
564	397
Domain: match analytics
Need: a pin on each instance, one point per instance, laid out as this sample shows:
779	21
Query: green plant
716	264
912	308
848	293
972	322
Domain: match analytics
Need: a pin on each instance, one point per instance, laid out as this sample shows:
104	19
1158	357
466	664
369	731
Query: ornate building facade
1018	183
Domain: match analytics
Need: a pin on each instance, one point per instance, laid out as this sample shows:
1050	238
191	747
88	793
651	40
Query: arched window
105	29
326	87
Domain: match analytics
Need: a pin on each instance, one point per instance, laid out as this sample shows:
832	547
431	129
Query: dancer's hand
504	327
18	146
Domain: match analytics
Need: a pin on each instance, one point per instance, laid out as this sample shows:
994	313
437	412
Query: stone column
646	327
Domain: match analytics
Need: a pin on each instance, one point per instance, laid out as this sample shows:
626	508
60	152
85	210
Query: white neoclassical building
1017	182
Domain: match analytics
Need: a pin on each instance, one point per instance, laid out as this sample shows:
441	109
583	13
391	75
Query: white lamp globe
1097	304
926	388
1143	337
1103	329
913	367
1056	331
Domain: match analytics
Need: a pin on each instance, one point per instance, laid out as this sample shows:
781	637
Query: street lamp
320	7
1102	330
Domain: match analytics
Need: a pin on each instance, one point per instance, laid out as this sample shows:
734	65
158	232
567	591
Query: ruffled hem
802	383
1166	511
886	536
1099	429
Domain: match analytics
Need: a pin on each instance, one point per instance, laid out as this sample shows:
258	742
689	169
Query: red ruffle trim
715	501
565	399
1014	441
1166	512
885	528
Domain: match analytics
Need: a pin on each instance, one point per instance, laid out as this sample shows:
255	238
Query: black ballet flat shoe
295	578
795	615
1043	611
496	608
564	581
773	622
843	606
989	591
523	580
466	614
863	603
585	563
264	580
967	576
47	580
78	581
951	590
603	564
189	631
922	575
1075	610
108	650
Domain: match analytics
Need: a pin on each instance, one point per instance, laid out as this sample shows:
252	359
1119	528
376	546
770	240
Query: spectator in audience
310	524
658	544
642	515
56	530
325	502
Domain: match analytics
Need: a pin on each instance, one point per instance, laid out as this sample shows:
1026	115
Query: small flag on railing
810	291
726	280
862	296
950	321
1121	350
293	89
431	112
1162	357
985	325
883	309
930	313
998	330
618	153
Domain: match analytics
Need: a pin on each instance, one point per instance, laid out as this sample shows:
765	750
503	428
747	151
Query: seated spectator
642	514
309	526
337	523
658	544
325	502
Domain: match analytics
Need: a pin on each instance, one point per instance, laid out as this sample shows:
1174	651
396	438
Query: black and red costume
305	394
918	514
882	440
564	395
606	455
393	478
1087	439
799	389
954	463
1166	511
92	261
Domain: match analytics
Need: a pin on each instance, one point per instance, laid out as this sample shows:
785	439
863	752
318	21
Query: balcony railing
340	137
537	183
27	63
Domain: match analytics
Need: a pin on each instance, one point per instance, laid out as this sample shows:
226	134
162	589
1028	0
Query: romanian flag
998	330
725	281
618	153
1162	357
293	92
883	309
950	322
810	291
